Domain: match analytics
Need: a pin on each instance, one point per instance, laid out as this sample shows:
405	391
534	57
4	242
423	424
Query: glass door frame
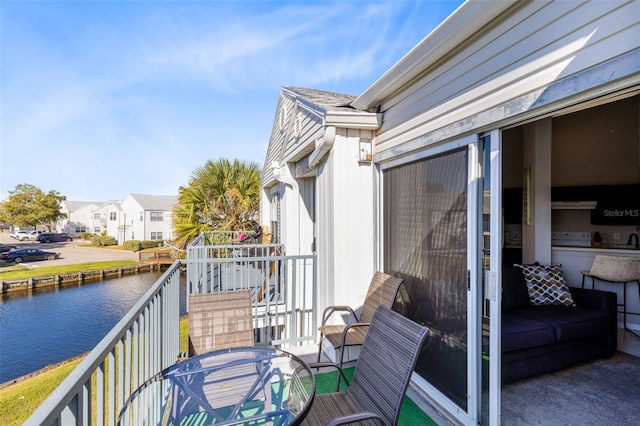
474	288
494	282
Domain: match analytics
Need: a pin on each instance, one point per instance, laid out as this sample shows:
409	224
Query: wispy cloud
160	86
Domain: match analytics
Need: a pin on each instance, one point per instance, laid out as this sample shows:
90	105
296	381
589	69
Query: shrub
137	245
86	235
151	243
103	241
132	245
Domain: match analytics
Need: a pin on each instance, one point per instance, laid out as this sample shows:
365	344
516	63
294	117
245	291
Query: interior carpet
601	392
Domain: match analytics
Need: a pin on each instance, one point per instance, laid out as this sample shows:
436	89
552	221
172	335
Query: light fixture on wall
365	150
526	195
275	168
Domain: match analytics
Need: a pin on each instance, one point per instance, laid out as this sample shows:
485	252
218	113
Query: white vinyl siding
311	128
345	221
274	153
517	58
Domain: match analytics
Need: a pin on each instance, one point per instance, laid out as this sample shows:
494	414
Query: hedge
137	245
101	241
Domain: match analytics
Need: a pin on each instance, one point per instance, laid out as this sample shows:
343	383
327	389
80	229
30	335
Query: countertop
599	249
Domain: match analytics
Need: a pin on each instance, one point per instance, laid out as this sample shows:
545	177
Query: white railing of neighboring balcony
283	287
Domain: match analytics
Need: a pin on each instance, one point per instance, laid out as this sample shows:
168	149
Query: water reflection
54	324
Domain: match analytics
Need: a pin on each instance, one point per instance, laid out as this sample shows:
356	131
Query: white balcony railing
146	340
283	287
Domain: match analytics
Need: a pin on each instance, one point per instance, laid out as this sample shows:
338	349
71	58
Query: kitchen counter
603	250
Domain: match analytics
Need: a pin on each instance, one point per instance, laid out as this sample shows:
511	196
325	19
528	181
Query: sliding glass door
432	229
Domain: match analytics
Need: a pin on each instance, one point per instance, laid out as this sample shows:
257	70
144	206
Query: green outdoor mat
410	413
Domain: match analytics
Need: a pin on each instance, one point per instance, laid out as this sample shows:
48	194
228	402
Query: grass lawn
18	272
18	401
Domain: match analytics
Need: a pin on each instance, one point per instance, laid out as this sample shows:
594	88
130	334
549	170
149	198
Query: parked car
26	235
27	255
6	247
50	237
17	234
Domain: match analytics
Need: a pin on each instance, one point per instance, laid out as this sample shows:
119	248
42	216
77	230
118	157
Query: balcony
146	340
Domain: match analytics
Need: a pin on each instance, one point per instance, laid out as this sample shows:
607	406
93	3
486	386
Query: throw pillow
546	285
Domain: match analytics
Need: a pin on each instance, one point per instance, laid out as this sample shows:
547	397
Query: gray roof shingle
156	202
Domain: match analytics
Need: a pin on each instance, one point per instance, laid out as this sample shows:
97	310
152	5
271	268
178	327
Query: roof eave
463	23
353	120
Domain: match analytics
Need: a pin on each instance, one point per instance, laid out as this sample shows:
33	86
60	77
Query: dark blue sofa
542	339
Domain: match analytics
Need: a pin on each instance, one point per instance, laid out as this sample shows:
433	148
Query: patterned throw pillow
546	285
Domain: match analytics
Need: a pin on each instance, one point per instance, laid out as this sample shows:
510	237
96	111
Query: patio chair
219	320
381	376
382	291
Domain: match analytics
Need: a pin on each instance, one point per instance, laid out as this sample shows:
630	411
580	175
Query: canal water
52	325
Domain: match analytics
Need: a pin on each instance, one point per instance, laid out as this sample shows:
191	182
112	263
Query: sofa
539	339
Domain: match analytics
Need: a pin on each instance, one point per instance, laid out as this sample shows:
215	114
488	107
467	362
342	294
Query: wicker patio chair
382	291
381	376
219	320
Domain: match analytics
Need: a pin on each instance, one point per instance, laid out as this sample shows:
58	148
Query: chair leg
624	307
342	348
320	347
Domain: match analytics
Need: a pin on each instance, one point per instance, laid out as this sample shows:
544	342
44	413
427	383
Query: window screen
425	242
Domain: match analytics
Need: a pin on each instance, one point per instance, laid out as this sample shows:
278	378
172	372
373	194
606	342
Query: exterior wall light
365	150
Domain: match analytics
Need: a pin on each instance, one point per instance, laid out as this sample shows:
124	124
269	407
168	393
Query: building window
112	215
155	216
96	215
96	230
80	229
141	216
156	235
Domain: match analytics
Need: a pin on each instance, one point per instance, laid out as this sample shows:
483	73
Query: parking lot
69	252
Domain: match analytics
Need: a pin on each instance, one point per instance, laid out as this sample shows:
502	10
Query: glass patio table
254	385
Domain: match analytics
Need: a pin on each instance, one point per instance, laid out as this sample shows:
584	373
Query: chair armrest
349	327
329	310
323	364
352	418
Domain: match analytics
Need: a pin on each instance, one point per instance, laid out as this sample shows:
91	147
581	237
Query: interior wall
597	146
512	157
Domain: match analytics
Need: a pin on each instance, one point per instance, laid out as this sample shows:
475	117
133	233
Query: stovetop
571	239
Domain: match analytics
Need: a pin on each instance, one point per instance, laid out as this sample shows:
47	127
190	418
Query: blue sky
104	98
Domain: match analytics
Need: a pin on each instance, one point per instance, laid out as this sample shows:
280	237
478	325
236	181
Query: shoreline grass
19	272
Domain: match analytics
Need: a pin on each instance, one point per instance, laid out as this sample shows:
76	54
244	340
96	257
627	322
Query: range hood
573	205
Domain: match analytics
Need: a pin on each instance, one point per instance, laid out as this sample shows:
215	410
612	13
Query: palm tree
221	196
